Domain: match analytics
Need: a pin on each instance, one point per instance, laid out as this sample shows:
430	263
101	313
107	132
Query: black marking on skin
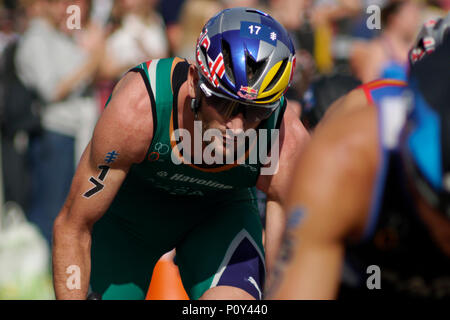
98	185
105	170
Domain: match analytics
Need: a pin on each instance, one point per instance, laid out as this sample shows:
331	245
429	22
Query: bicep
326	206
121	138
94	186
354	100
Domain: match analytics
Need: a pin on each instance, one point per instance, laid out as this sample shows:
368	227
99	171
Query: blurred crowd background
55	81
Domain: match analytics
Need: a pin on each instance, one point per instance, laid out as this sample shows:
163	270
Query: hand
93	38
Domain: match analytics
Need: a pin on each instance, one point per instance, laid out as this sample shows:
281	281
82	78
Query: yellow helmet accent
279	87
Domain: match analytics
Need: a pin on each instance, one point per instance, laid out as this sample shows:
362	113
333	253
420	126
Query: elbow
60	220
66	229
61	225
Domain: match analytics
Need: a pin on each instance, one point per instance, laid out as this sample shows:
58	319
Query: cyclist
369	206
139	190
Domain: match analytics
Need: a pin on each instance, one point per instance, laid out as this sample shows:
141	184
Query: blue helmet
245	55
426	136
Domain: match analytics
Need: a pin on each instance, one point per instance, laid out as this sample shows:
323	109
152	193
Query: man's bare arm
121	138
328	205
354	100
292	139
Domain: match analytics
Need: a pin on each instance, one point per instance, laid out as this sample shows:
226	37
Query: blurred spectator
358	26
435	9
7	33
60	71
442	4
294	15
17	120
241	3
101	11
315	25
140	37
194	14
323	91
171	11
386	56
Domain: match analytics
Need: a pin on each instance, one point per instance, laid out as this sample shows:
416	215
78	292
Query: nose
236	123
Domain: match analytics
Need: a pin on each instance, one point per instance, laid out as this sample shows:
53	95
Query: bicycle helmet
245	55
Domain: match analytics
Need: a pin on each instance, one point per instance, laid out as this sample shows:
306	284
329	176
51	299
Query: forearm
275	225
312	272
71	260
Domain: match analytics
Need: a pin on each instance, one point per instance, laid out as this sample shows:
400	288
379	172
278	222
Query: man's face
231	119
224	115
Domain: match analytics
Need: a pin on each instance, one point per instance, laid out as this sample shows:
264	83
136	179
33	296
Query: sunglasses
231	108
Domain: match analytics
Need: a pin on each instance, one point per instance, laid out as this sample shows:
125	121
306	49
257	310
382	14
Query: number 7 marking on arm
103	173
98	185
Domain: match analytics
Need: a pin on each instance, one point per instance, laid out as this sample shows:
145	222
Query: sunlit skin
437	224
341	162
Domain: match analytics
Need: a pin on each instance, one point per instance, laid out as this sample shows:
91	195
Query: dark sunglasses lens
251	113
219	104
254	114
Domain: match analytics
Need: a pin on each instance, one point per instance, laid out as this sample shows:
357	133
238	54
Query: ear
192	81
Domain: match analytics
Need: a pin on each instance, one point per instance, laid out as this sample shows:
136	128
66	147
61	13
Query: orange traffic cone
166	281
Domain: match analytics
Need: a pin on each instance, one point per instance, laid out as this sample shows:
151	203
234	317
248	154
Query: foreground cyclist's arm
292	139
354	100
328	206
121	138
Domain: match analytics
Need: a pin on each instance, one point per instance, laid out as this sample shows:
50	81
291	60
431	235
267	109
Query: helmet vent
226	51
267	98
277	75
254	69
